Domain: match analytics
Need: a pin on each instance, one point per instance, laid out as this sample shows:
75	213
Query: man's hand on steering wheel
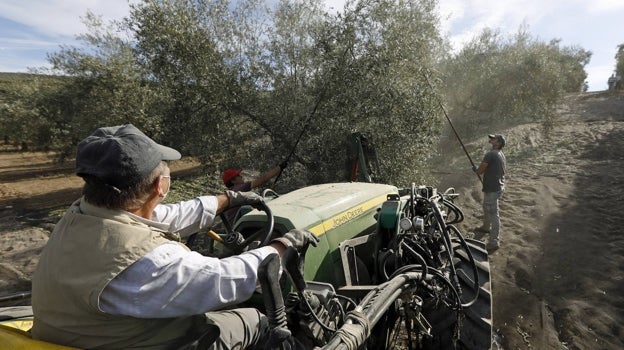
238	199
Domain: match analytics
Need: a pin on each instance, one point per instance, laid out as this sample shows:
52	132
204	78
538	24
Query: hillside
558	277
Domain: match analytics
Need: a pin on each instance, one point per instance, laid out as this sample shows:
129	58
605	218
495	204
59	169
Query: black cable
437	214
383	267
415	254
314	316
447	243
435	273
347	299
406	268
459	214
341	309
443	278
472	262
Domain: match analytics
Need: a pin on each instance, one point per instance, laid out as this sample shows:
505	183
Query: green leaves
619	60
494	81
261	74
234	83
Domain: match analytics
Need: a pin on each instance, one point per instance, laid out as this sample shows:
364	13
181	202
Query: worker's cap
499	138
229	174
120	156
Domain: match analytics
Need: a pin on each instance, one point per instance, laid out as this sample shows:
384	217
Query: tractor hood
324	207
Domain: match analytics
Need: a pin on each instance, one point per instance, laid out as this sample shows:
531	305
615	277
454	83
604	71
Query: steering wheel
235	240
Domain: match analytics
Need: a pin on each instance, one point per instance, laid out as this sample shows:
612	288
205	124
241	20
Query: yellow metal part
215	236
346	216
23	324
13	337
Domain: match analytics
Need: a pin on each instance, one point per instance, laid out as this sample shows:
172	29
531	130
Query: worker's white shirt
170	281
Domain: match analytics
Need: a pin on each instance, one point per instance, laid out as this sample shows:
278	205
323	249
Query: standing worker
234	181
493	170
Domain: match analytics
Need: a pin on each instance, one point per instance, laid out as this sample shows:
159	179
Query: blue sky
29	29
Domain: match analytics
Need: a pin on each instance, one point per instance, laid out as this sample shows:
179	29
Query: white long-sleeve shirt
170	281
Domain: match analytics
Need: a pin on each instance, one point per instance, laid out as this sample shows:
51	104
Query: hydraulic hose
291	261
447	243
442	225
472	263
373	307
413	253
459	214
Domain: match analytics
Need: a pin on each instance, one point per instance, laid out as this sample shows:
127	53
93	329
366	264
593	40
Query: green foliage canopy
235	83
243	82
494	81
619	61
85	88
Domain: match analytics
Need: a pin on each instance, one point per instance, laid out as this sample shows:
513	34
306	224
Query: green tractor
391	270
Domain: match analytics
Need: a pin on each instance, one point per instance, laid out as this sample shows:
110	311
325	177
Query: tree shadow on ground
580	275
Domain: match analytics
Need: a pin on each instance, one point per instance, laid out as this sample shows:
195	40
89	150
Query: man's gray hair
101	194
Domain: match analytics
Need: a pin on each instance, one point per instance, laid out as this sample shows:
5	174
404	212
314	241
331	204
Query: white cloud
24	44
604	6
597	77
60	21
589	24
462	20
336	5
57	18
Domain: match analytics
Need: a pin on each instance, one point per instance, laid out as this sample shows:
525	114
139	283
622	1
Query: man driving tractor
114	275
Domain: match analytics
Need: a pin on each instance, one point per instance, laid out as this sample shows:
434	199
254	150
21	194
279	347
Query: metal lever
293	266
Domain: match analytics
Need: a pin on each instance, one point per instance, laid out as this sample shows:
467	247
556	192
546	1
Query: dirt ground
35	191
558	278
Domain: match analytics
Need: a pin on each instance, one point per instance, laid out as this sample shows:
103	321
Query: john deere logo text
347	216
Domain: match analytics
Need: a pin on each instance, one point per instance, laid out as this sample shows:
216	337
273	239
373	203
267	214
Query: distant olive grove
618	76
236	83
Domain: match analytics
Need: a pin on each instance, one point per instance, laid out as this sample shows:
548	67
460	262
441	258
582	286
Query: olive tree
87	87
244	81
19	123
377	84
241	83
495	80
619	62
